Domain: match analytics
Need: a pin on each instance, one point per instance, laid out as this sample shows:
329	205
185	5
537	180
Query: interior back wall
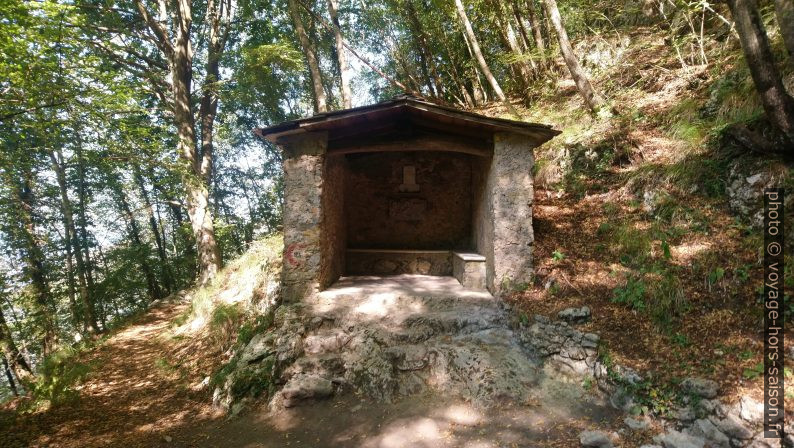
386	209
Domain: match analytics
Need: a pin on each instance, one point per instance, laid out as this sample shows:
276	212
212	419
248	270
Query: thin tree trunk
508	35
537	32
456	75
82	204
784	10
511	38
426	55
16	363
9	377
591	99
134	232
310	53
778	104
341	57
522	29
475	47
89	314
478	92
161	253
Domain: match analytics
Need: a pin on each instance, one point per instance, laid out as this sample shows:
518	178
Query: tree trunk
522	29
197	157
456	75
784	10
34	264
475	48
310	53
209	260
479	95
591	99
344	70
16	363
778	104
89	314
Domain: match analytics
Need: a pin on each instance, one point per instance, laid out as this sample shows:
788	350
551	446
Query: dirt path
132	398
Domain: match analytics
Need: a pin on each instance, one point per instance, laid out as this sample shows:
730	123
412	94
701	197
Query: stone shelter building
406	187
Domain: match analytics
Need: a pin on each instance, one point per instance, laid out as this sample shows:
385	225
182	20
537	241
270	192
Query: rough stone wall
334	238
503	213
382	213
512	197
304	157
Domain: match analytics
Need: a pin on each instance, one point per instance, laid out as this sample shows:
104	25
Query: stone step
375	305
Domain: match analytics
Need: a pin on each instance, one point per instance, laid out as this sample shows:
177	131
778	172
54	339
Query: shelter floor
403	285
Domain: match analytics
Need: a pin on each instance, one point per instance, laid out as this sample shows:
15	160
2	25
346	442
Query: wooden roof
405	118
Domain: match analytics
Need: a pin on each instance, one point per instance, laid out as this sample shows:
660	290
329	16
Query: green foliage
754	371
249	329
57	376
632	294
557	255
633	244
716	276
657	292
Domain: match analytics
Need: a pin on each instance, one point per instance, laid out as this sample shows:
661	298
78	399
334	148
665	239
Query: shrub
58	374
633	294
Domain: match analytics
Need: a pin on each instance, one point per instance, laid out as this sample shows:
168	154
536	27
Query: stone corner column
304	156
512	195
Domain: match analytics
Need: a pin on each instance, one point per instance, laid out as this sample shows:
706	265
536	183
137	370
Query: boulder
595	439
701	387
675	439
705	428
636	424
745	192
575	315
260	346
302	387
732	427
751	410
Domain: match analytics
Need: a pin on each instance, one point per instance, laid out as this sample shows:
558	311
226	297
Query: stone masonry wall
510	192
304	157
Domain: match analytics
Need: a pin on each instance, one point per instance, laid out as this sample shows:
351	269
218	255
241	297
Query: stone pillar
304	156
511	193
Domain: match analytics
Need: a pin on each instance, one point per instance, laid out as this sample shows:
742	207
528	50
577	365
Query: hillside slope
152	375
652	217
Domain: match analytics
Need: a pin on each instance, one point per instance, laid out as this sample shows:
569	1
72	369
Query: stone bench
396	261
469	269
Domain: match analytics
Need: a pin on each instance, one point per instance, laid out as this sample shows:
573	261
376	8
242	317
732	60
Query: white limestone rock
595	439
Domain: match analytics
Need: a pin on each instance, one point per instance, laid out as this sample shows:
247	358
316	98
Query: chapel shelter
406	187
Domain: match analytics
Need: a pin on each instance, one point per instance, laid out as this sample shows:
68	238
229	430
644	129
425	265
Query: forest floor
135	397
